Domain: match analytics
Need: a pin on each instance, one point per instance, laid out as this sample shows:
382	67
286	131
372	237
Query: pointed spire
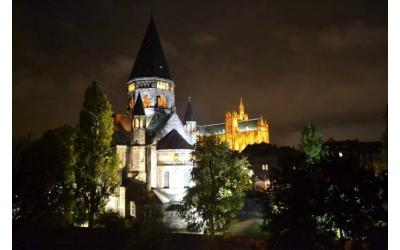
262	123
138	108
241	106
150	60
189	116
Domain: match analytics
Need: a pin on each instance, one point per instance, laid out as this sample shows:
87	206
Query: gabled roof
150	60
189	116
173	140
138	109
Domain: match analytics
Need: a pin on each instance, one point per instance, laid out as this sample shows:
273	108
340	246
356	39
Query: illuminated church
238	131
153	145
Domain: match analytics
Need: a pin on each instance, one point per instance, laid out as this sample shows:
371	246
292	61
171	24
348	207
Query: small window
166	179
147	211
132	211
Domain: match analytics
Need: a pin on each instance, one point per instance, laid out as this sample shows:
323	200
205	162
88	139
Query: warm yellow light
162	85
174	158
131	87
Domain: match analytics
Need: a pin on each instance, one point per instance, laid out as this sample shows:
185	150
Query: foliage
148	208
354	199
290	206
318	197
43	178
220	178
97	171
112	220
311	144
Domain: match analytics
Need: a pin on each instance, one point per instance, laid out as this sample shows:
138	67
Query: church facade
153	145
238	131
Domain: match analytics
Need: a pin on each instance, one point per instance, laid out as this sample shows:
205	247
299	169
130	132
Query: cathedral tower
242	115
151	77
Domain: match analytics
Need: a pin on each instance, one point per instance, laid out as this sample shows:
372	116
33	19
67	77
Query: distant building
264	158
238	131
367	155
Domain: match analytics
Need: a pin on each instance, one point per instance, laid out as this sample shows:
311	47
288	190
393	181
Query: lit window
162	85
176	157
340	154
132	206
166	179
131	87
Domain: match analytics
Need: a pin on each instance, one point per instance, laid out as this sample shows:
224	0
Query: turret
242	114
138	122
190	122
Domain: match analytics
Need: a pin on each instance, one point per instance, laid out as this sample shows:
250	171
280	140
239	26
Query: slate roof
211	129
173	140
150	60
138	109
218	128
189	116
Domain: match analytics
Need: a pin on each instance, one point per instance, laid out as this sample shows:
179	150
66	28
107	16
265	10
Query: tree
311	144
43	178
97	166
220	178
290	205
319	197
353	200
292	199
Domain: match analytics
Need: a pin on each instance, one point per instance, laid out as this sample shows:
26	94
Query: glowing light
174	158
131	87
340	154
236	137
162	85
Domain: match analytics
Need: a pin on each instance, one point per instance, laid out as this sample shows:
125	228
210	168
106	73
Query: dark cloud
292	61
203	38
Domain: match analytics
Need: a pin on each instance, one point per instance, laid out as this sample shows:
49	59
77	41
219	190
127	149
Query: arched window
132	210
166	179
136	123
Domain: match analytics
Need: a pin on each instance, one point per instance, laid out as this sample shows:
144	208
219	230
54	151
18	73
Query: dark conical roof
138	109
189	116
173	140
150	61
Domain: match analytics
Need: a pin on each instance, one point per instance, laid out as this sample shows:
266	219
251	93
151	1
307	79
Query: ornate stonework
238	131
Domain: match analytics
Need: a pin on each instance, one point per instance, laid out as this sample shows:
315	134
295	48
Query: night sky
292	61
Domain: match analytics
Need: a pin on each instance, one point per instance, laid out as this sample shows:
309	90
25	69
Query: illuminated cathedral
238	131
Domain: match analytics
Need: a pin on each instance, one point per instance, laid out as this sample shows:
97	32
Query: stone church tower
153	144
